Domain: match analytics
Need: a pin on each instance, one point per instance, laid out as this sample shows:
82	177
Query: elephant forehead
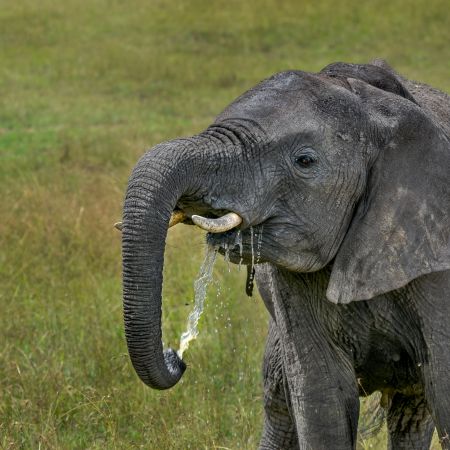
288	102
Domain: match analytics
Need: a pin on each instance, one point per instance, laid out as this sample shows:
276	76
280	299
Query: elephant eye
305	161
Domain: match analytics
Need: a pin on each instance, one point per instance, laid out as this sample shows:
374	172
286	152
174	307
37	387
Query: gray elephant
343	177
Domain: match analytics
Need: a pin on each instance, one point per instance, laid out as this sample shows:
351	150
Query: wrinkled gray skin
345	173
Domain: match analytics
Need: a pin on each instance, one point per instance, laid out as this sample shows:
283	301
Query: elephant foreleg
321	380
410	426
279	429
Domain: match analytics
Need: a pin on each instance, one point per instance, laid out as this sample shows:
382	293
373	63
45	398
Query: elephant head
341	168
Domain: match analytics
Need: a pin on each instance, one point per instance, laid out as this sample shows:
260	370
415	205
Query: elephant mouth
223	232
239	246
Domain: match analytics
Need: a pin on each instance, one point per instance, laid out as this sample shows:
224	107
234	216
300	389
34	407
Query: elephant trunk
157	182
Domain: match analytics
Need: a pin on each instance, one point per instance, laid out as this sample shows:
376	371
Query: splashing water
200	286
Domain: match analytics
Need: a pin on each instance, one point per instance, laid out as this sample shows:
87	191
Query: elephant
342	176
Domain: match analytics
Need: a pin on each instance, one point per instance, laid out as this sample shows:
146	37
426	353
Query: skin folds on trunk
155	185
184	170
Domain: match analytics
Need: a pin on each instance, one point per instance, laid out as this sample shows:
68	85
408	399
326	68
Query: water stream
204	279
251	269
259	244
200	287
239	243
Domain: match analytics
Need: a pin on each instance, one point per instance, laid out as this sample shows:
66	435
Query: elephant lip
227	244
226	240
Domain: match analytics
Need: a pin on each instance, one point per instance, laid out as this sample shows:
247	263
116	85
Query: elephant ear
401	227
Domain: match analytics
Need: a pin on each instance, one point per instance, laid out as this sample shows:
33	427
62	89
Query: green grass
85	88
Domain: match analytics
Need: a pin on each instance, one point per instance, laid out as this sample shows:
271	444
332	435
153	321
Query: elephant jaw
221	233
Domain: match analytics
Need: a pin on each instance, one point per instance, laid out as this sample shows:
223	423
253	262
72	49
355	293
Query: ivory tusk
177	217
219	225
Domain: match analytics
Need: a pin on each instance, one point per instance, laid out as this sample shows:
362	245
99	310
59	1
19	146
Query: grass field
86	87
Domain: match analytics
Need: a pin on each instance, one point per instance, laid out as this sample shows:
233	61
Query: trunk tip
175	365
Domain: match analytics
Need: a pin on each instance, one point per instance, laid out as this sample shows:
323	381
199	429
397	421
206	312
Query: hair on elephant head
344	175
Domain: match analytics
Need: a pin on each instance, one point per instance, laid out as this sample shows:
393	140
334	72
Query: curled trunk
157	182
